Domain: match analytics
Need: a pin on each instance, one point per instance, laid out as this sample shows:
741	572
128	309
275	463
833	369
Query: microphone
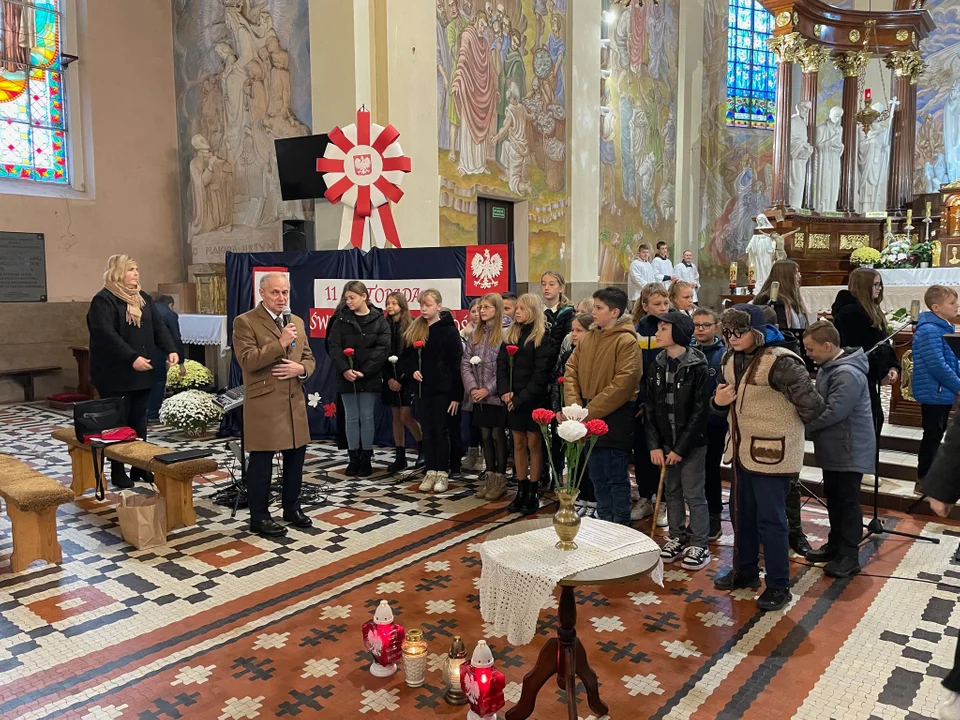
774	291
286	321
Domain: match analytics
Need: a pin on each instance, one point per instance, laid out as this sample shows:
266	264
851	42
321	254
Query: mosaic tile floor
223	625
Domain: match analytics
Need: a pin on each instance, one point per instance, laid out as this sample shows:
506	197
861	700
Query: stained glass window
32	114
751	68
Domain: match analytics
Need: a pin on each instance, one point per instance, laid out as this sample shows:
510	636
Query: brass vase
566	521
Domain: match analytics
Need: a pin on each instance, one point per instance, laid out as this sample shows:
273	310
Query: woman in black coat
861	324
523	390
358	342
125	333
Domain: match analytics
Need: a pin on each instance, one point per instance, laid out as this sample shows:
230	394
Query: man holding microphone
271	348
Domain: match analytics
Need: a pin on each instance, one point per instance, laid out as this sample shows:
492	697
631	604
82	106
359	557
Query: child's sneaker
642	508
426	485
695	558
662	516
672	550
440	483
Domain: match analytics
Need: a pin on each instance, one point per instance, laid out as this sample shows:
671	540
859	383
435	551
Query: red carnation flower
542	416
596	428
349	352
560	380
418	344
512	350
330	410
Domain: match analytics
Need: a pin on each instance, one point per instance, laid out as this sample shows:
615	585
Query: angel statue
486	269
763	251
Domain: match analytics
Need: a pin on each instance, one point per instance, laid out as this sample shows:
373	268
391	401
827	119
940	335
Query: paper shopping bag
143	519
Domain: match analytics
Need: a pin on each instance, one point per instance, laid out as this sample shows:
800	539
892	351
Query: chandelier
867	115
628	3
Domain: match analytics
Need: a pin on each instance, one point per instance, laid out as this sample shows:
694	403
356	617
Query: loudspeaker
298	236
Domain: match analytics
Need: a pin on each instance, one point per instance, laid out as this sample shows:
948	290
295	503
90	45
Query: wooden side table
564	655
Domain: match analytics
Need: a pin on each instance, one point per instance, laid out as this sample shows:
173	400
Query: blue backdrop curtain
353	264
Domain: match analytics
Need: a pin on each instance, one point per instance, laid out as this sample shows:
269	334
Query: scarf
132	298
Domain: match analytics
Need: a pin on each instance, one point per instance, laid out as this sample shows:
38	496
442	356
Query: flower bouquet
191	412
197	377
896	255
579	437
865	257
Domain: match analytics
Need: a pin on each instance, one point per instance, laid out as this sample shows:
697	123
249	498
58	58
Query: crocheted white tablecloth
520	573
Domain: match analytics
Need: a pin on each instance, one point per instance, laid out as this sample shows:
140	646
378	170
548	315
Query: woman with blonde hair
524	366
125	333
431	359
479	372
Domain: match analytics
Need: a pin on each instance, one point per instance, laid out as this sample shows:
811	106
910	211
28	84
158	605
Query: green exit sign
499	212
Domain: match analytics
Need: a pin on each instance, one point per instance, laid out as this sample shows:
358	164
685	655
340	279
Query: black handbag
92	418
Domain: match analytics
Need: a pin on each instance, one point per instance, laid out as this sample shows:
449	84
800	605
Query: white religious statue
951	128
873	165
761	252
800	152
826	175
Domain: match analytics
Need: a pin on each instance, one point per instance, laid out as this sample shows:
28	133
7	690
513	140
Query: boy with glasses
768	396
706	325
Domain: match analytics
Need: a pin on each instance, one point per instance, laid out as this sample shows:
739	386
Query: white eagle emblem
485	269
373	643
471	688
362	164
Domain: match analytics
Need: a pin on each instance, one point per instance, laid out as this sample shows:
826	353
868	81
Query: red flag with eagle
363	167
487	269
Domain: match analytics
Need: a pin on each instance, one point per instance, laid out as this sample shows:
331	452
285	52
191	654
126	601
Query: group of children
673	394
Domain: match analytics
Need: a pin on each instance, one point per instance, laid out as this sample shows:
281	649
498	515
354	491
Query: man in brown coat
276	361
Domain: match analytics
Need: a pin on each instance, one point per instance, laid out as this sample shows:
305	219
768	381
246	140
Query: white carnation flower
475	360
575	412
571	430
393	359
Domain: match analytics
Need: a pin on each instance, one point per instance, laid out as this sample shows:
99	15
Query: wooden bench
174	480
32	500
25	377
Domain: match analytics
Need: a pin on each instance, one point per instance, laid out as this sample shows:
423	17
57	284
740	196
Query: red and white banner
488	269
363	167
320	320
259	272
326	291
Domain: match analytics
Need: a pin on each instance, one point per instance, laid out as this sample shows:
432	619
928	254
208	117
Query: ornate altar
835	217
949	239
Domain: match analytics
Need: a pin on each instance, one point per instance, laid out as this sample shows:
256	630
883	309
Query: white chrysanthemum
571	430
191	412
575	412
393	359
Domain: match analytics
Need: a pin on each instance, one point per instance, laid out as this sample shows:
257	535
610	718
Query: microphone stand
875	526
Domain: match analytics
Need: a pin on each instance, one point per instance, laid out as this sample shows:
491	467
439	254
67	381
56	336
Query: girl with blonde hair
431	358
478	369
524	366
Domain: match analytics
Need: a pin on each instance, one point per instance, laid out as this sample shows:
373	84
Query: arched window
751	68
33	143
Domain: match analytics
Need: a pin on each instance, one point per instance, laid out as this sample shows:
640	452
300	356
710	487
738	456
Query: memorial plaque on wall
23	268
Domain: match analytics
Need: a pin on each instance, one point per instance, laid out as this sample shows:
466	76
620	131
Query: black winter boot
118	476
532	504
399	460
365	470
354	467
421	458
520	499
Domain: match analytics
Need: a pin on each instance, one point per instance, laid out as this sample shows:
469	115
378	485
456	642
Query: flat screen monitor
297	165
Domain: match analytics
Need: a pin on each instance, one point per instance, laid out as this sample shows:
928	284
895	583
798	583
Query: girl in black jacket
431	359
861	323
528	349
125	333
358	341
396	393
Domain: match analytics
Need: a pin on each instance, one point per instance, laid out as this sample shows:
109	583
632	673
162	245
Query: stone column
851	64
784	48
811	58
907	66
